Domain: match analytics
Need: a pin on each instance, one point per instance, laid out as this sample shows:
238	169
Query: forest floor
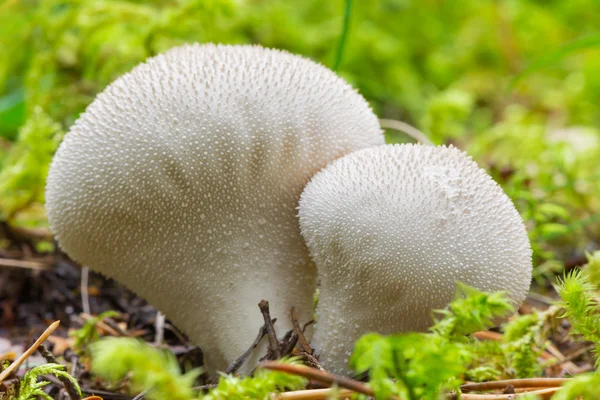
37	289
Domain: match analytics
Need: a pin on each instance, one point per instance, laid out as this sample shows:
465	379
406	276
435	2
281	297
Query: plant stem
344	35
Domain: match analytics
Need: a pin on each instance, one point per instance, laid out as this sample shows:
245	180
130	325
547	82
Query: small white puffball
393	228
181	181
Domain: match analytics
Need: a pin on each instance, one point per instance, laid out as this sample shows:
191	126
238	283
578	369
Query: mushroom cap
181	181
393	228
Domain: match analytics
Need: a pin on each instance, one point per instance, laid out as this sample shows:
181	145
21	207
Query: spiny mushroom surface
181	180
393	228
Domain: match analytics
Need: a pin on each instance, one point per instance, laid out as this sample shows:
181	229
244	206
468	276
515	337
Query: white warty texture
393	228
181	181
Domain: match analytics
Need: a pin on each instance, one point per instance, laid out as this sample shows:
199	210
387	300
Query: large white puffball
181	181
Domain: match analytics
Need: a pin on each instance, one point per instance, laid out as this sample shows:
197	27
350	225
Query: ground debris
32	296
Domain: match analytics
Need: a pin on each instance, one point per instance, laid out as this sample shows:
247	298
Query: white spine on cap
181	180
393	228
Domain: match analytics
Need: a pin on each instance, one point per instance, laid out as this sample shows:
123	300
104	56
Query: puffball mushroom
393	228
181	181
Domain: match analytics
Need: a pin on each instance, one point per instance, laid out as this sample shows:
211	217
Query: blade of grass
551	58
344	35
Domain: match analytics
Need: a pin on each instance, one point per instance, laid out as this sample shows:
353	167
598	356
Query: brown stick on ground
516	383
315	394
273	342
15	365
69	387
36	265
546	393
302	342
113	329
488	335
32	233
319	376
288	343
234	366
323	394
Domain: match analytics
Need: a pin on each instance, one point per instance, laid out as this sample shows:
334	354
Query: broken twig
15	365
273	342
516	383
546	393
35	265
405	128
302	342
323	377
315	394
234	366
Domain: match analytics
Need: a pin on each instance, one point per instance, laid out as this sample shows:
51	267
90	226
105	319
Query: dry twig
488	335
112	330
35	265
15	365
516	383
273	342
315	394
546	393
32	233
302	342
233	367
542	387
323	377
405	128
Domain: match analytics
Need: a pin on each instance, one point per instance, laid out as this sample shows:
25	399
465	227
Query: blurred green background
516	83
